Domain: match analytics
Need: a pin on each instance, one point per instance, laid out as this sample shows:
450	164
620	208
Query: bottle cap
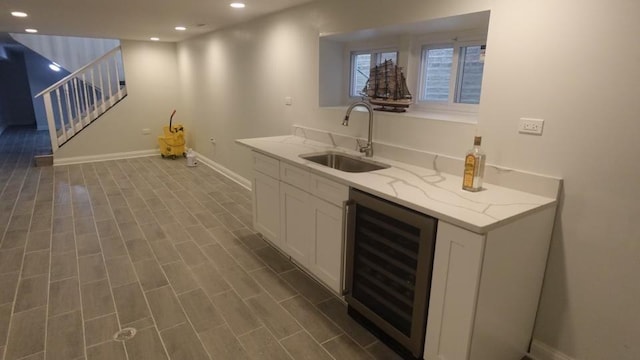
477	140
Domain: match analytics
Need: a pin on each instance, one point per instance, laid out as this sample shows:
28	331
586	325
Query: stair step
43	160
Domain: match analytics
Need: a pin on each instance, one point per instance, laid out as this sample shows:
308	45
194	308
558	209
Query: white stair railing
74	102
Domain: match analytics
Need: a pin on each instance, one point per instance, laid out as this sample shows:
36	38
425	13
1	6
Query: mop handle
170	120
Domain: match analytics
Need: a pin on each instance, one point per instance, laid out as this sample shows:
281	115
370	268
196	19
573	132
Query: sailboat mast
374	73
386	79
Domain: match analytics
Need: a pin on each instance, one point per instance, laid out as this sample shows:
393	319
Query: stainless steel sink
344	162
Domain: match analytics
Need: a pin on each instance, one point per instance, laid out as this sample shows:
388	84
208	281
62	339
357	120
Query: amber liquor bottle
474	167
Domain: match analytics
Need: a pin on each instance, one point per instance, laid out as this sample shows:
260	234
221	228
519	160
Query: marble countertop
425	190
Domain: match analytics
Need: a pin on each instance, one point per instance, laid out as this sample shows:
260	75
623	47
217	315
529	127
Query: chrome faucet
367	148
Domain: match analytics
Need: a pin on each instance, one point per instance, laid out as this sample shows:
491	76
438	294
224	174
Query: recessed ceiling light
180	28
237	5
154	39
54	67
32	31
19	14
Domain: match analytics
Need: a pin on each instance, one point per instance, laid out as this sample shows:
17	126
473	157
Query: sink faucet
367	149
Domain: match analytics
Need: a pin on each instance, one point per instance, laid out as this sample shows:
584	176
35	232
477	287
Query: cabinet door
296	223
327	253
454	291
266	206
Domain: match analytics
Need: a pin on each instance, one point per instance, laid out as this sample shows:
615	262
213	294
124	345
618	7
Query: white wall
152	87
573	63
576	64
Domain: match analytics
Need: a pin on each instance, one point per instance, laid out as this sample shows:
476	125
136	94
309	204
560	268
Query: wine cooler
389	261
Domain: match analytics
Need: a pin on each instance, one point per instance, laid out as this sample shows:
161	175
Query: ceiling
132	19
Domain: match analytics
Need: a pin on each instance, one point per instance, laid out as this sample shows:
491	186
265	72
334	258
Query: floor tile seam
315	305
28	356
15	295
344	331
182	202
250	271
220	269
160	331
175	292
293	334
155	325
112	297
102	343
65	313
227	323
184	312
111	288
272	335
372	345
297	294
101	316
304	328
286	351
13	208
283	309
75	245
256	270
186	291
93	281
312	338
335	337
249	331
6	185
136	187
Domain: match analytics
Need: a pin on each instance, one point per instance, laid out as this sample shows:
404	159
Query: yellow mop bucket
172	143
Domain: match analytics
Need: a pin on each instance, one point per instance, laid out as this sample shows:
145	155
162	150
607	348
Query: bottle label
469	171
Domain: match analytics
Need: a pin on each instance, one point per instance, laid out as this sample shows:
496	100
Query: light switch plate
530	126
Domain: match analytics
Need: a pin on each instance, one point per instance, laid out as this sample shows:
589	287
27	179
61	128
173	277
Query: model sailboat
387	87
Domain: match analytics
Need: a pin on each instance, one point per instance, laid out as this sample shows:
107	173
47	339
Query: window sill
442	115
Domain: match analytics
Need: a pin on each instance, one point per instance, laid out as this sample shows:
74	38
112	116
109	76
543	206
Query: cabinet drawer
295	176
329	190
266	165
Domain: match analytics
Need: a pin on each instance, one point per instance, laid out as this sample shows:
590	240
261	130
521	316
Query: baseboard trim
104	157
542	351
233	176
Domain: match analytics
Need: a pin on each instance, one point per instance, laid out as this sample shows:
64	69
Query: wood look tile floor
87	250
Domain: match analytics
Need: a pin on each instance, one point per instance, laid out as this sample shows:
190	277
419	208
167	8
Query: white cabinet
266	206
325	259
302	214
312	234
296	222
266	197
485	289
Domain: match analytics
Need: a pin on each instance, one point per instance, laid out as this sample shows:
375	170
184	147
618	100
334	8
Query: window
452	75
361	62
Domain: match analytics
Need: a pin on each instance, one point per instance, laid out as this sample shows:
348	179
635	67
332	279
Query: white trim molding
542	351
103	157
233	176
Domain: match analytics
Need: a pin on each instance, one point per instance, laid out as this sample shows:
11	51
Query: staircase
76	101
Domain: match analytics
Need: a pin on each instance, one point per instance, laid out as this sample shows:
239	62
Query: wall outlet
146	131
288	100
212	140
531	126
